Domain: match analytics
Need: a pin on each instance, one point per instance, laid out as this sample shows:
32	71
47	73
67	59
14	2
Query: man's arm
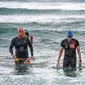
11	48
79	55
59	56
31	48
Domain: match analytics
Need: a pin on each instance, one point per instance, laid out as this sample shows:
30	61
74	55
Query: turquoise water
48	22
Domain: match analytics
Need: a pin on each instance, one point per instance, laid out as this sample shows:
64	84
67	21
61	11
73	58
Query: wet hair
27	34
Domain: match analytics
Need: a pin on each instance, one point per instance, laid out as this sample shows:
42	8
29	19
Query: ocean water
48	22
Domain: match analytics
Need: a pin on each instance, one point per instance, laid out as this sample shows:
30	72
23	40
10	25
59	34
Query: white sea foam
40	18
5	70
41	6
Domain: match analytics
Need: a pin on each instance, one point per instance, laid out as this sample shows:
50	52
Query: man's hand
79	63
13	56
58	64
32	58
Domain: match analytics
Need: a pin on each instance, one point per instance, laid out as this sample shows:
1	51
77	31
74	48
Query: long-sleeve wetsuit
21	47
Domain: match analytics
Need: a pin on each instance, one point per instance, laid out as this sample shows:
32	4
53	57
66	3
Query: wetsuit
21	47
70	52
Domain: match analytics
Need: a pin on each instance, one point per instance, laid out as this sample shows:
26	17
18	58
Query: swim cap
20	30
69	34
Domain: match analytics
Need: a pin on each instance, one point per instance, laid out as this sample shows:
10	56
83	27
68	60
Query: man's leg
73	63
66	62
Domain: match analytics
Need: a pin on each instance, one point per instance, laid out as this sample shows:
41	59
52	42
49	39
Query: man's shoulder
26	37
75	40
15	38
64	40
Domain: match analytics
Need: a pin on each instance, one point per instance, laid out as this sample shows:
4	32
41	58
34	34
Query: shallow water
48	22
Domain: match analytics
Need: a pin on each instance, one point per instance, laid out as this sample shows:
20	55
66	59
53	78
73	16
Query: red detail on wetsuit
72	44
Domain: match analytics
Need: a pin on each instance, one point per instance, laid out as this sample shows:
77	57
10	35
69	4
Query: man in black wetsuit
21	43
69	45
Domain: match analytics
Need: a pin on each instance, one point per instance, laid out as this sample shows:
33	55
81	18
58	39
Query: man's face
69	39
21	33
